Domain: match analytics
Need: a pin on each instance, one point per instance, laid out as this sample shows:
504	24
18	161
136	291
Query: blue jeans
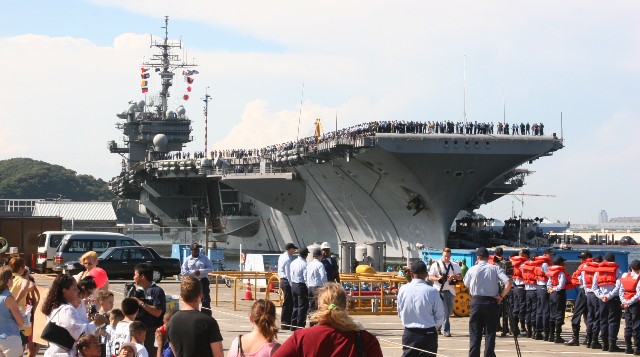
447	301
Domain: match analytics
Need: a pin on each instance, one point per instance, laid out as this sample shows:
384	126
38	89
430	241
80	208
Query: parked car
119	262
74	244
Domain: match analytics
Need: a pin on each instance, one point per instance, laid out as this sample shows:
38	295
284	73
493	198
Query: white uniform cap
325	245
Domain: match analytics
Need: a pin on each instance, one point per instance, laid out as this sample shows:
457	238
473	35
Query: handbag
58	335
240	352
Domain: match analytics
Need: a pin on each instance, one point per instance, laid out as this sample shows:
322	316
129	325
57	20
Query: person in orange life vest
580	304
530	287
629	296
593	304
557	285
542	305
606	286
518	308
497	257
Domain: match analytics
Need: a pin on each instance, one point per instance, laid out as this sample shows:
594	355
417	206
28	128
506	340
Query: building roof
77	211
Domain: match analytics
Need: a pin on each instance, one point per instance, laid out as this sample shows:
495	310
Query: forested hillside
27	178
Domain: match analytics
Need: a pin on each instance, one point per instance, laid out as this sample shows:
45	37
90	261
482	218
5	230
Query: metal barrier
373	302
234	276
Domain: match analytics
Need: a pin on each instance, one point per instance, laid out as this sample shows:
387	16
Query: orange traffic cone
247	291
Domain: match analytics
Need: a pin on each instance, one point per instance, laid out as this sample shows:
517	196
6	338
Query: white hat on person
325	245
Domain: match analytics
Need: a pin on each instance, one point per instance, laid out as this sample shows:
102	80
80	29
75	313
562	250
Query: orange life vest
554	275
492	258
576	274
541	275
607	273
529	272
589	269
629	283
517	262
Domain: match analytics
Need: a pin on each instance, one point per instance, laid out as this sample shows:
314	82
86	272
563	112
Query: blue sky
71	65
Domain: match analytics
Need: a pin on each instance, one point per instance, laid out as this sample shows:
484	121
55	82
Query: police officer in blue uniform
199	266
483	280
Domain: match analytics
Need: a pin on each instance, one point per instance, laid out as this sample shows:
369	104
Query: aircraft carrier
397	189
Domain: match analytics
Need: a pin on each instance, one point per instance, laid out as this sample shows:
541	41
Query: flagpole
300	115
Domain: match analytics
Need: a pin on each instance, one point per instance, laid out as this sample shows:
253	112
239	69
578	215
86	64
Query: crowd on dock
522	295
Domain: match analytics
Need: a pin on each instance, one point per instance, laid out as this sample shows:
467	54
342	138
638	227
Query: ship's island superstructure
365	186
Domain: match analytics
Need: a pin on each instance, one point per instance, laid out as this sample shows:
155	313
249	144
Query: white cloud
372	60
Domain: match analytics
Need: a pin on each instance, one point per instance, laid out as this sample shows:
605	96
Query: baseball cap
584	254
290	246
482	252
132	345
548	251
325	245
195	246
317	252
418	267
559	260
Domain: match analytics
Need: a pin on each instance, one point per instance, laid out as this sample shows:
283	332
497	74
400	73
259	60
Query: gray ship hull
360	185
364	198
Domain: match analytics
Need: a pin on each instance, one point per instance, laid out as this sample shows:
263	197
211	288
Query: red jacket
554	275
629	283
517	262
589	269
529	271
541	275
576	274
607	273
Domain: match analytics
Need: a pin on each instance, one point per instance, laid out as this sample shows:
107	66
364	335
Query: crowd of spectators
364	130
395	127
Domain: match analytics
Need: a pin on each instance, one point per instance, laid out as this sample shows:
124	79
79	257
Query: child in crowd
138	331
128	350
121	334
105	301
115	316
161	337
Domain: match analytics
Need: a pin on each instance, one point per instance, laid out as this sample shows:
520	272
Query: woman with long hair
20	290
86	288
60	307
10	317
336	333
261	341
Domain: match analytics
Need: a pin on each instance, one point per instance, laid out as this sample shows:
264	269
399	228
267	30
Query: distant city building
604	218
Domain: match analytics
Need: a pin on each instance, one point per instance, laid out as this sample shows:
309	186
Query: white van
48	242
74	245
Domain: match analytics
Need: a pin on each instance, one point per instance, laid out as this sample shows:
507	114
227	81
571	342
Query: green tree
30	179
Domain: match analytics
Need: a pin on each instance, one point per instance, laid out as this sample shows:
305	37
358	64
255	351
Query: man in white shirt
199	266
284	272
299	290
444	274
315	277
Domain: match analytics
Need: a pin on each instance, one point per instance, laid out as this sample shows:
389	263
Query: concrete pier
388	329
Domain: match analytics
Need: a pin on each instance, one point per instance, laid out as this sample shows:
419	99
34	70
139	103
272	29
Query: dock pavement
387	328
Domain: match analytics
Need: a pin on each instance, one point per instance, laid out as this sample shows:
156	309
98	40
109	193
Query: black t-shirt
191	333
